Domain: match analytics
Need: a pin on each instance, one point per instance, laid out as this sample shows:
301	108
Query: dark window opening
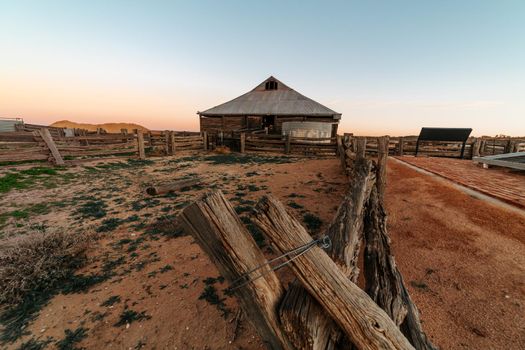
271	85
268	122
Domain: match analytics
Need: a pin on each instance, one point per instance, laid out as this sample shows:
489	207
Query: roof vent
271	85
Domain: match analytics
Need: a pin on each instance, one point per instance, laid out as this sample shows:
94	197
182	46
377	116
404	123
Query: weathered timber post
304	320
288	144
360	147
218	230
48	140
266	130
124	131
173	143
401	145
140	144
383	281
205	140
509	146
243	141
364	323
166	135
475	147
382	156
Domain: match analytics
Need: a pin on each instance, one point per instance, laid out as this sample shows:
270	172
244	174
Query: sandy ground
462	259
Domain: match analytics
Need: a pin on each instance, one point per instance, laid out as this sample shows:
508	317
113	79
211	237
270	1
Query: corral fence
474	147
259	141
38	143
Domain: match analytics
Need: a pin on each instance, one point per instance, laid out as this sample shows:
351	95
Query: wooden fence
40	144
482	146
288	144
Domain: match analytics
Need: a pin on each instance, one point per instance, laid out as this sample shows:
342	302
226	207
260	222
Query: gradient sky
389	66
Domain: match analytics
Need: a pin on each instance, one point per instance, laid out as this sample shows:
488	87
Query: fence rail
482	146
34	143
288	144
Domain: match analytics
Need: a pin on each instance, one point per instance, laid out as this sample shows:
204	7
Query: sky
390	67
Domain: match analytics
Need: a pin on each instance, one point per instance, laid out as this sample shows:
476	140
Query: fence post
167	141
140	141
124	131
173	144
266	130
360	147
475	147
288	144
48	140
243	141
205	140
339	141
401	146
382	156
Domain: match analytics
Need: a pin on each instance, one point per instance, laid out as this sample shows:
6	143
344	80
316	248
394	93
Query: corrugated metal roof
282	101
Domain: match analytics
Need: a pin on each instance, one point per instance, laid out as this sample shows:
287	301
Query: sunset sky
390	67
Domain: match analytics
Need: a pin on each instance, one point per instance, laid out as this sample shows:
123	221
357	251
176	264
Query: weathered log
140	144
382	156
220	233
364	323
303	319
48	139
171	187
383	281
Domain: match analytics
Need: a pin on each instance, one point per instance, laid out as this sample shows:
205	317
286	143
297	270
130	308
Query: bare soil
462	259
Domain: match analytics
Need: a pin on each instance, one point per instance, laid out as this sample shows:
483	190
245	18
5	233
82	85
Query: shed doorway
268	122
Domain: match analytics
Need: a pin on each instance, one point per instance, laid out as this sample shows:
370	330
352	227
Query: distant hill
109	127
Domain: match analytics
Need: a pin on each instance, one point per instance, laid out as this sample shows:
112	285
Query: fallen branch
172	187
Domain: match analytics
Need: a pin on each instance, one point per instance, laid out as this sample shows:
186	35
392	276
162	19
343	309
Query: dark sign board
444	134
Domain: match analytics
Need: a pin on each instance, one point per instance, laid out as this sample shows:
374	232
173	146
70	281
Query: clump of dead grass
222	150
36	261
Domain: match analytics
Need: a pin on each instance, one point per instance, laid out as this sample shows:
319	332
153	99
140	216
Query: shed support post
243	141
205	140
288	144
140	142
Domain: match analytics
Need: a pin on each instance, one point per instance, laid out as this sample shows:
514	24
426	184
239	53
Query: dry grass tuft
36	261
222	150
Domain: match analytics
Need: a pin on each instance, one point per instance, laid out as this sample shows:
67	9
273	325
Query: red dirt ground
505	184
463	260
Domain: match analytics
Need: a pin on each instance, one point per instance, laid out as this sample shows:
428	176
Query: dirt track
462	259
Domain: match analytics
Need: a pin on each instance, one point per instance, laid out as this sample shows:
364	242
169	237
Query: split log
171	187
219	232
364	323
303	319
383	281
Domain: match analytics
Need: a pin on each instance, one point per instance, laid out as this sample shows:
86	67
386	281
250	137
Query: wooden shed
269	105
